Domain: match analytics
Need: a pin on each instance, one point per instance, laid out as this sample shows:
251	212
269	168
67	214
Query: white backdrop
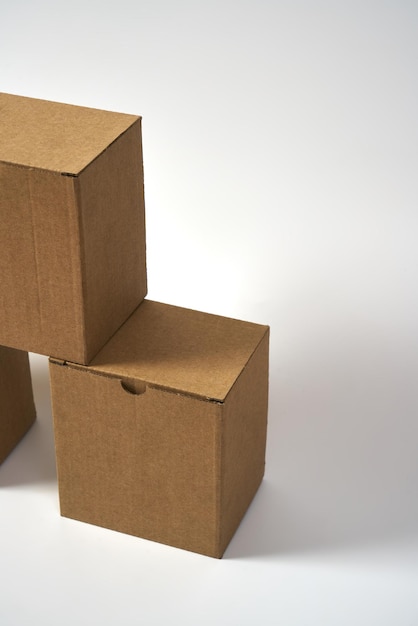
280	155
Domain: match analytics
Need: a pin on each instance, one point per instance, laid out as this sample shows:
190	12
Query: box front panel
142	464
17	409
39	263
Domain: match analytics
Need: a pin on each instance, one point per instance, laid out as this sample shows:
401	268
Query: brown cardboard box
163	435
72	226
17	409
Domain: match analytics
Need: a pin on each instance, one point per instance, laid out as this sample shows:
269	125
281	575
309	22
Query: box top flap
183	350
58	137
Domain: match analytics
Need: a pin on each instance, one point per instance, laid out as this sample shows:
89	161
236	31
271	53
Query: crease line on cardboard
24	166
35	252
93	372
77	259
219	483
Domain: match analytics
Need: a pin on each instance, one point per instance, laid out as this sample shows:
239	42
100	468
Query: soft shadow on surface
277	525
33	459
342	467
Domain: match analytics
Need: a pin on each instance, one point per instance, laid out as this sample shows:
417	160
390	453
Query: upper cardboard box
72	226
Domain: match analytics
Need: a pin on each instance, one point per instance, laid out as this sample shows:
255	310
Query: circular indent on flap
134	387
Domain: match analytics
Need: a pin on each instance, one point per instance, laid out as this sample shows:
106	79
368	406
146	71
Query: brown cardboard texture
163	436
72	226
17	409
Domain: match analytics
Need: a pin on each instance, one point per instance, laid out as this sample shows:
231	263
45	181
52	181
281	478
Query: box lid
58	137
180	349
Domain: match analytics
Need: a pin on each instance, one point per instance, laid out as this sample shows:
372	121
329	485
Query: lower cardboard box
17	408
163	435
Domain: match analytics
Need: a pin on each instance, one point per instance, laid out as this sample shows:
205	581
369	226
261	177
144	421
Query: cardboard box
17	409
72	226
163	436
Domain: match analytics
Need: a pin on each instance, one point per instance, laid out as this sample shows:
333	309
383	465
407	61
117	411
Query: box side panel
17	409
140	464
111	196
244	442
40	292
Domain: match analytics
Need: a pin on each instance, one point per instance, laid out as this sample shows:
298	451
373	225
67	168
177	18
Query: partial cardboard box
163	436
17	408
72	226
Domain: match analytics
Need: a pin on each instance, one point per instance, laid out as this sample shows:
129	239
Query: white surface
280	147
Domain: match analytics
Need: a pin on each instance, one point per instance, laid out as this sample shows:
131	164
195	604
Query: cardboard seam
23	166
219	482
35	252
78	263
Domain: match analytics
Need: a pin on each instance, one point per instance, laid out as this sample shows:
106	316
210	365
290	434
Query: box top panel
53	136
180	349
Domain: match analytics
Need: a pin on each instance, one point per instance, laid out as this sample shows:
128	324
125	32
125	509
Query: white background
280	155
